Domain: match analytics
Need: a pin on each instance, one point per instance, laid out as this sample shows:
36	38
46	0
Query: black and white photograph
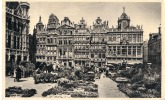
82	49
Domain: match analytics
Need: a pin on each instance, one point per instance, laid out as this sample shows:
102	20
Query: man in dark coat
18	73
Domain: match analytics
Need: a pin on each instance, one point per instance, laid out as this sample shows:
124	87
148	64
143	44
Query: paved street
28	83
107	88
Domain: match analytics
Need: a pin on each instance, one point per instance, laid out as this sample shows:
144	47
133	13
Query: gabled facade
65	49
82	44
69	44
125	42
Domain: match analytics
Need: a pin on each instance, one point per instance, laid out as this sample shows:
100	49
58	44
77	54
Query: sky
147	14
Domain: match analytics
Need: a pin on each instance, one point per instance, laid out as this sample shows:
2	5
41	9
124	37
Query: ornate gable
66	27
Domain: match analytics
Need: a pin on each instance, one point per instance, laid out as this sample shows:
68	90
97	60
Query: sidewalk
108	88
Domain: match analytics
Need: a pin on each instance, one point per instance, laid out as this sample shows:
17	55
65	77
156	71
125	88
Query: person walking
18	74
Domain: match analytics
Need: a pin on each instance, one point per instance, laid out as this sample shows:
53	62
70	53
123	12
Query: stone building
65	48
98	43
125	42
40	34
17	32
69	44
82	44
154	48
51	39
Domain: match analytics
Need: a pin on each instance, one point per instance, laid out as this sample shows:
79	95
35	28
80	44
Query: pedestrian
18	73
12	71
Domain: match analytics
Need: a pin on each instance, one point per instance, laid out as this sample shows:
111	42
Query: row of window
120	47
65	42
82	47
81	38
81	56
51	58
124	58
48	58
51	52
97	55
41	46
16	26
41	51
97	47
124	52
13	43
41	39
51	48
65	32
131	38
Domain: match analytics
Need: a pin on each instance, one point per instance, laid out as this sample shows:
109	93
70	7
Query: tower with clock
123	21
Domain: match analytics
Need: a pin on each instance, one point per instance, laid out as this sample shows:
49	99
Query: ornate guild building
124	43
98	43
82	44
40	32
17	32
69	44
65	48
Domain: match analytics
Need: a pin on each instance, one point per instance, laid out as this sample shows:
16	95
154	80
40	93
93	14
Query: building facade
65	48
154	48
69	44
51	39
40	33
125	42
81	44
17	32
98	43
